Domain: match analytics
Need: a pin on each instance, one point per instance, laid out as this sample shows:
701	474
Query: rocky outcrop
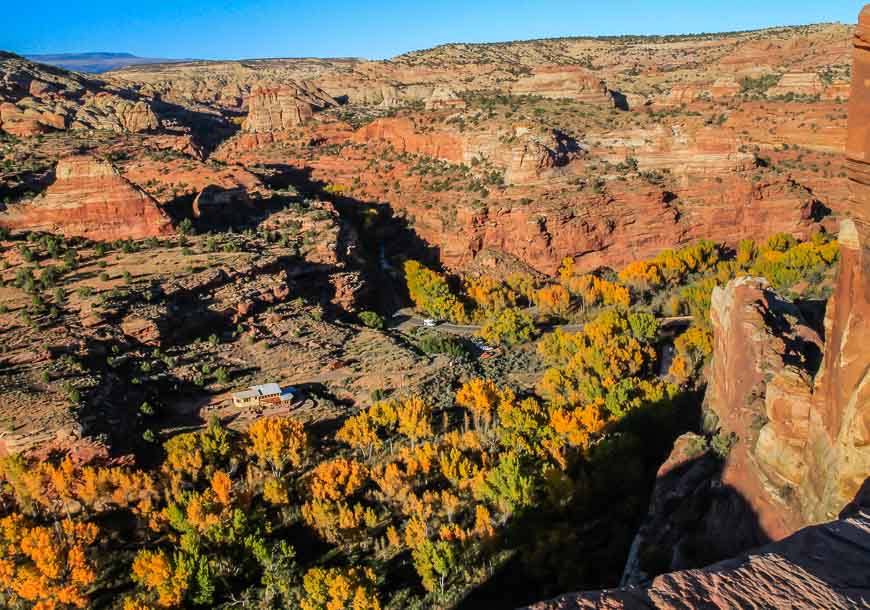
132	116
89	198
402	135
523	153
811	450
36	99
821	566
278	108
214	202
840	438
444	97
798	83
760	395
563	82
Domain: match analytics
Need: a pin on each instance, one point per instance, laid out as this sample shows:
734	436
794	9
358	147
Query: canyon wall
812	451
787	408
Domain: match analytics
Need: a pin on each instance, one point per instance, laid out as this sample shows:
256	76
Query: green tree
434	562
431	294
509	326
371	319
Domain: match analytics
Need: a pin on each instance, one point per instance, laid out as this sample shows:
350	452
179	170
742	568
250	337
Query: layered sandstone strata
278	108
563	82
89	198
798	83
626	222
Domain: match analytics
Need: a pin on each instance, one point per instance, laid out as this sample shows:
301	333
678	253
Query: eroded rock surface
89	198
37	99
278	108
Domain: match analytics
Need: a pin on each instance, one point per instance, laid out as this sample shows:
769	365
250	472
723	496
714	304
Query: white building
268	393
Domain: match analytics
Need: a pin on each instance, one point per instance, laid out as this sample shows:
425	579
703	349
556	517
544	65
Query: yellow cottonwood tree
277	443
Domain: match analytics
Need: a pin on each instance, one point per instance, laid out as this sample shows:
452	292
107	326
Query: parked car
430	323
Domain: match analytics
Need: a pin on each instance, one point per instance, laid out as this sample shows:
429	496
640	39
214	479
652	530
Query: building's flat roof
266	389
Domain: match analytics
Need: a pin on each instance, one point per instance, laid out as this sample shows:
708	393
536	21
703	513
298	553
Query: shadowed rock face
89	198
821	566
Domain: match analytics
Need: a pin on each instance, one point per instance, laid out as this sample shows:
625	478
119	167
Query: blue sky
223	29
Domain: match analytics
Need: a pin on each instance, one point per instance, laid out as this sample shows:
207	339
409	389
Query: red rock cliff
89	198
278	108
802	419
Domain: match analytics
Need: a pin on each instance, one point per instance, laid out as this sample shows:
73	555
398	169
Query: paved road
408	318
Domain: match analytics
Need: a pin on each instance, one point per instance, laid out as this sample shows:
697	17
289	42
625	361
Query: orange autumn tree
46	567
360	432
414	415
554	299
278	443
332	510
642	276
481	397
409	416
193	457
67	488
165	576
489	294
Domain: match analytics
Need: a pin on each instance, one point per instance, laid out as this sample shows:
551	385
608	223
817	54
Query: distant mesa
97	63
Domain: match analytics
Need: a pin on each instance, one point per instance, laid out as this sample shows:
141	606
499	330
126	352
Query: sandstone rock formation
563	82
790	411
798	83
89	198
36	99
613	228
283	107
214	201
444	97
812	450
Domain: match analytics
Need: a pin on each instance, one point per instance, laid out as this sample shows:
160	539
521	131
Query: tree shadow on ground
584	545
386	239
